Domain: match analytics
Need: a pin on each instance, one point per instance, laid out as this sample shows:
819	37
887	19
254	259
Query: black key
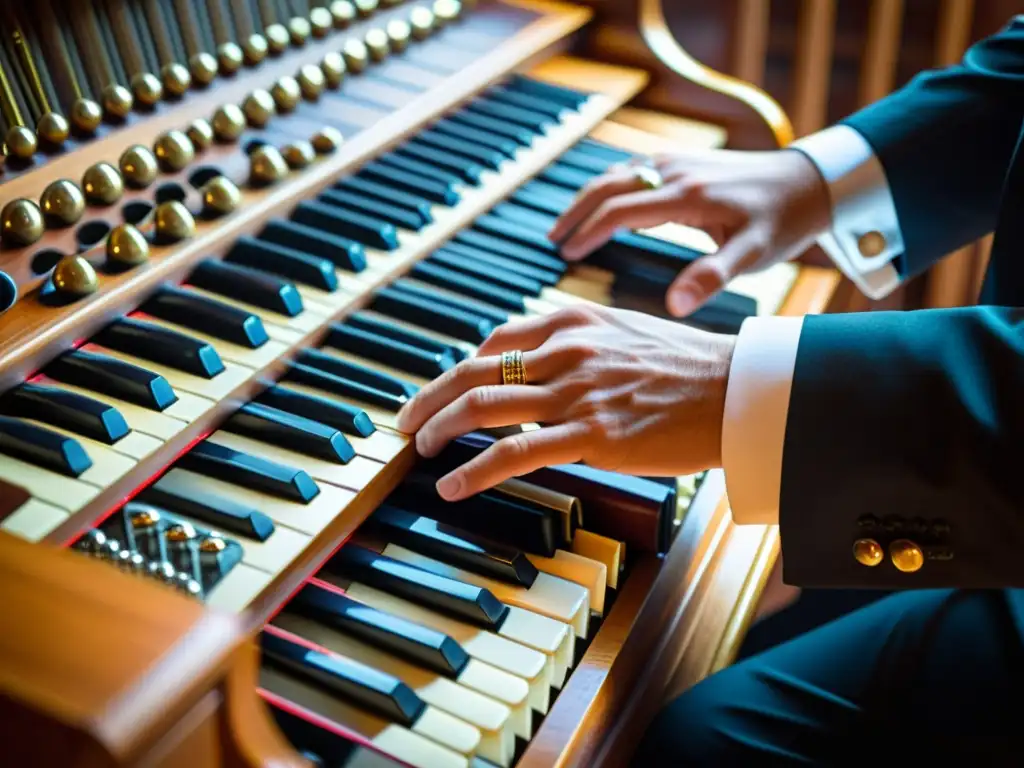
161	345
429	189
369	377
451	545
586	161
599	149
43	447
342	252
565	176
417	585
483	290
496	316
495	127
67	410
412	203
525	118
516	233
323	745
491	514
509	250
347	223
248	285
396	354
102	373
538	104
348	418
175	493
466	170
538	198
366	687
284	262
570	98
214	318
507	147
485	156
524	286
294	433
412	338
398	217
500	263
413	309
421	645
528	217
342	387
420	169
251	472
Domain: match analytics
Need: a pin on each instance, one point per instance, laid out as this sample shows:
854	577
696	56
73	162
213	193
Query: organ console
236	235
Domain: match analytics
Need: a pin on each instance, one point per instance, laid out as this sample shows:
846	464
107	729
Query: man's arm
906	427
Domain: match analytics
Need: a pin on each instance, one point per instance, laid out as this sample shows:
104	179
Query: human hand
618	390
760	207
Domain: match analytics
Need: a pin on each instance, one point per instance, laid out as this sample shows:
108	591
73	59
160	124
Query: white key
302	323
34	520
253	359
490	717
411	378
589	574
549	595
594	546
379	416
355	475
309	518
154	423
528	664
238	588
134	445
108	464
59	490
217	388
402	743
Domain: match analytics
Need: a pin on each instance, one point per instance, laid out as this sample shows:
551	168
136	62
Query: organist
883	444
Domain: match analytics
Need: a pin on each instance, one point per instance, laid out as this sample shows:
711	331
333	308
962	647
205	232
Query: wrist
724	349
809	204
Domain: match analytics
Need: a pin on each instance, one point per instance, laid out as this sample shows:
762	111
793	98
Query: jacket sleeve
906	431
945	141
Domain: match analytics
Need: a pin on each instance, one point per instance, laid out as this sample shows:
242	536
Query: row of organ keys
66	67
422	634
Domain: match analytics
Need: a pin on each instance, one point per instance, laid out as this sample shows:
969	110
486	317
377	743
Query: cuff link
871	244
906	555
868	552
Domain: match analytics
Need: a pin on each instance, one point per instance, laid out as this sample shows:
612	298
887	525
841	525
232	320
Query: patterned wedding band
648	176
513	370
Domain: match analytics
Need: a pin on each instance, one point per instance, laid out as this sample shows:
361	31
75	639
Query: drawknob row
145	90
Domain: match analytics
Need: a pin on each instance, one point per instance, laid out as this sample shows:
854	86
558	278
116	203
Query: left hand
615	389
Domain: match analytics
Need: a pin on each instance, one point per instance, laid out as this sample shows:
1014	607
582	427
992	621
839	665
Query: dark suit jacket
910	425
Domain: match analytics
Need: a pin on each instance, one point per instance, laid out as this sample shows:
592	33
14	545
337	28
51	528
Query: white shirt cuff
754	424
865	237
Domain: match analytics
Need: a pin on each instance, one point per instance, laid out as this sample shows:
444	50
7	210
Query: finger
615	181
513	456
708	275
530	333
485	408
475	372
646	208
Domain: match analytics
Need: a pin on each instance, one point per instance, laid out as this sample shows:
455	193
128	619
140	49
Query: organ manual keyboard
236	236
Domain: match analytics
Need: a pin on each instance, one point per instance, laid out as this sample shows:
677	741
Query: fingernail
449	486
683	301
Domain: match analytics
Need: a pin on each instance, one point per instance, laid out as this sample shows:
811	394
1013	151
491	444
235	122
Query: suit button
871	243
906	555
867	552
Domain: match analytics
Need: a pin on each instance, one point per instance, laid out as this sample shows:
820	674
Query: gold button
871	243
906	555
868	552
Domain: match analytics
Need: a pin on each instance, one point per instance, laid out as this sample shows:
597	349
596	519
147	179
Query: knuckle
479	400
513	447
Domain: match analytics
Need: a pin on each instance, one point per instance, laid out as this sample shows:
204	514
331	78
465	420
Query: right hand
760	207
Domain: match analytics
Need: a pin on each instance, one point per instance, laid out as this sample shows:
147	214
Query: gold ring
648	176
513	370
